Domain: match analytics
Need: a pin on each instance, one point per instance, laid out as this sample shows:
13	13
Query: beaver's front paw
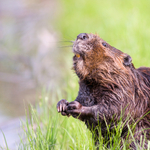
61	107
74	108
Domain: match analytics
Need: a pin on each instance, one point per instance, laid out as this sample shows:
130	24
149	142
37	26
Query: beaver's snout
82	36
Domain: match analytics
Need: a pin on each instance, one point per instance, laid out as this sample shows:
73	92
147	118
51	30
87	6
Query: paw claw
61	107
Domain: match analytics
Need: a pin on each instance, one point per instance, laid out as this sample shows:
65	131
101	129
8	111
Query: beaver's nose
82	36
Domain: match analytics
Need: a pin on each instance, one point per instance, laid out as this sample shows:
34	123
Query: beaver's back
145	72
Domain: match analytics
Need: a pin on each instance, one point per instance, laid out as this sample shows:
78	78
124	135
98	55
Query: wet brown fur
109	86
128	87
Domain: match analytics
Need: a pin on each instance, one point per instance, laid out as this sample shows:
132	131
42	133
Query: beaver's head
99	64
94	57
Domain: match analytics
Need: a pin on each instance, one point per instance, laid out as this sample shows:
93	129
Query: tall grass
45	129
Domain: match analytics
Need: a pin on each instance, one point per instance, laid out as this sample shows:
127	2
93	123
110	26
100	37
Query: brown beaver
109	85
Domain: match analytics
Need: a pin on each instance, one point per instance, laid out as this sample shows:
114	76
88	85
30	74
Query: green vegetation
45	129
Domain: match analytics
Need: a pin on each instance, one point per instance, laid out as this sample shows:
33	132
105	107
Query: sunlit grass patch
46	129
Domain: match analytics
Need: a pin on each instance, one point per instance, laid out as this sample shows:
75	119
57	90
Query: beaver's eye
104	44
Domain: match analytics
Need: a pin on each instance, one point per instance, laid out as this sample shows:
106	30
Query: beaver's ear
127	60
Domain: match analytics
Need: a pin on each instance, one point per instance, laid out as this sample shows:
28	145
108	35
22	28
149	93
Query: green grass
45	129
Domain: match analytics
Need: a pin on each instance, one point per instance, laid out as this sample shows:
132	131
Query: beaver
110	87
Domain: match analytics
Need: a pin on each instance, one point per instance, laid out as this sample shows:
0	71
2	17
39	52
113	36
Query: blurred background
35	46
